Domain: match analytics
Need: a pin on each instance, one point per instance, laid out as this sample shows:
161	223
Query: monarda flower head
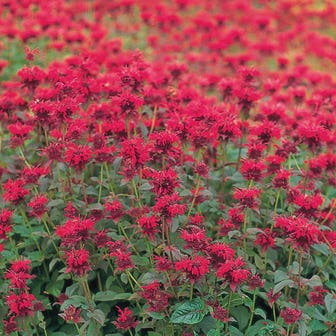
291	315
164	182
299	231
14	191
77	156
233	272
78	262
155	296
75	231
248	198
168	207
195	268
125	320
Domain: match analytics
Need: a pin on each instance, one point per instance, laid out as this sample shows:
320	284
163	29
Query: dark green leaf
189	312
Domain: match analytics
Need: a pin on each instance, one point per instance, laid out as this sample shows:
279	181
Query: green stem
127	238
101	183
252	311
191	291
198	183
299	281
78	330
274	313
132	277
229	305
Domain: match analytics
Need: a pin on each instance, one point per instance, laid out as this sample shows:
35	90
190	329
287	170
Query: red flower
219	253
72	314
156	298
5	223
272	298
149	226
123	261
265	240
19	133
299	231
281	178
167	206
164	182
77	156
195	268
21	304
18	274
78	262
10	326
114	210
163	264
75	231
233	272
291	315
38	204
247	197
251	170
14	192
125	319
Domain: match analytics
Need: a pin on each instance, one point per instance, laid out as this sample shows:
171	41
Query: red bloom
156	298
219	253
72	314
272	298
164	182
14	192
38	205
78	262
195	268
167	206
21	304
251	170
291	315
149	226
265	240
18	274
10	326
247	197
299	231
317	296
281	178
114	210
123	261
233	272
194	237
19	133
77	156
5	223
75	231
125	319
162	264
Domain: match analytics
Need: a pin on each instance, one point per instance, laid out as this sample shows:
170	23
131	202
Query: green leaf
98	315
214	332
235	332
242	315
155	315
189	312
55	287
316	326
261	313
279	276
314	281
330	303
111	296
140	261
278	287
55	203
146	186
